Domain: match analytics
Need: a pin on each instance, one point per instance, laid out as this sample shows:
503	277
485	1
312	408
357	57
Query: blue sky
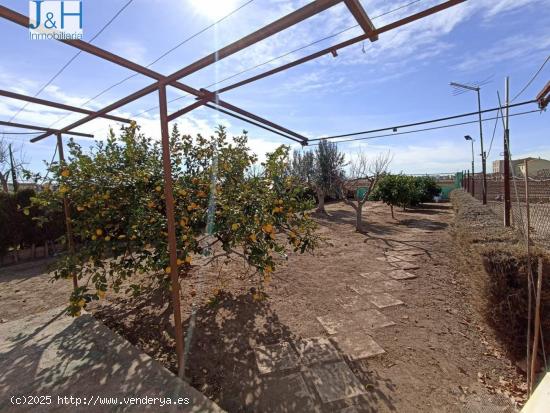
403	77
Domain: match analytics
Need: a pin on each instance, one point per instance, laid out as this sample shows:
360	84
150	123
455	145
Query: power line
49	82
286	54
532	78
424	122
161	57
21	133
427	129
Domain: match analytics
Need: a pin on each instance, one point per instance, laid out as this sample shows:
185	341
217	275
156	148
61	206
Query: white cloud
129	49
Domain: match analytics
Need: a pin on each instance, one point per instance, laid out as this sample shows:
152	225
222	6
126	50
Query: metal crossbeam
354	40
362	18
57	105
41	128
275	27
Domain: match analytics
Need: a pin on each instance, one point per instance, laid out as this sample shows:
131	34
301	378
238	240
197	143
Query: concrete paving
50	354
276	357
402	275
317	350
383	300
335	381
357	345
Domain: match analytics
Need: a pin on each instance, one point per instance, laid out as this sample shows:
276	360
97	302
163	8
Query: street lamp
469	138
483	154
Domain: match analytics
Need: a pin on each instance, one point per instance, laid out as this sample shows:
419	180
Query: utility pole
483	154
13	172
507	200
469	138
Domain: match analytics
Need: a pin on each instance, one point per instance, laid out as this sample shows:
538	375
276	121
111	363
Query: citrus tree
118	209
405	191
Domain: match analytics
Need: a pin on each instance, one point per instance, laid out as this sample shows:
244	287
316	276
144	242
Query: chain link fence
538	189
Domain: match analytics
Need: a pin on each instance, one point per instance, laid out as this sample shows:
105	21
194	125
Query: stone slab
357	345
400	257
52	354
371	320
378	287
276	357
353	303
374	276
281	395
405	265
317	350
383	300
333	323
335	381
402	275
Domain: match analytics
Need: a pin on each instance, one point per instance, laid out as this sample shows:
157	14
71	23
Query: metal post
529	281
473	171
468	183
537	326
66	209
483	155
170	217
507	199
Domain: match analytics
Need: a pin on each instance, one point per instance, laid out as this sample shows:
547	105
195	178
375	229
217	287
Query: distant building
536	166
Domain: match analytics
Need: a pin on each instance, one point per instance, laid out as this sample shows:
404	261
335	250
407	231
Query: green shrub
405	191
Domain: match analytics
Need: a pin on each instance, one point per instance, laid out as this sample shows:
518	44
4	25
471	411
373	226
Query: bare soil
439	354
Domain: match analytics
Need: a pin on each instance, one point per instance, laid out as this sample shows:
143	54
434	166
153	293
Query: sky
401	78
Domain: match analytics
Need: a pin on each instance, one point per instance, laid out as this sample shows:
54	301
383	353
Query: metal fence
536	210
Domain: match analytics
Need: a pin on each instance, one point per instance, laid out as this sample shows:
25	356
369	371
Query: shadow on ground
426	224
52	354
348	218
222	363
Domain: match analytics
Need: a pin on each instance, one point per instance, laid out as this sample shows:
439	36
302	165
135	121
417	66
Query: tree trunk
321	202
393	216
33	251
4	182
359	218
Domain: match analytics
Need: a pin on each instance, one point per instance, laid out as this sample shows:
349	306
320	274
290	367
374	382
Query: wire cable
426	129
532	78
286	54
394	128
49	82
159	58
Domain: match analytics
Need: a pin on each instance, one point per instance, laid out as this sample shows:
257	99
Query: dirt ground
440	354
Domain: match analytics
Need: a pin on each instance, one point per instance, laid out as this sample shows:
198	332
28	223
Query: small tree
328	172
222	211
405	191
370	172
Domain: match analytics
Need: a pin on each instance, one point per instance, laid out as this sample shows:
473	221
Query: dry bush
503	288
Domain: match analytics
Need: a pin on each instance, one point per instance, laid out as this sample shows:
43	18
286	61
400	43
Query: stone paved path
315	370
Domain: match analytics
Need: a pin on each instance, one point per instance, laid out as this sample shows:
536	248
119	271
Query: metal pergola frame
212	100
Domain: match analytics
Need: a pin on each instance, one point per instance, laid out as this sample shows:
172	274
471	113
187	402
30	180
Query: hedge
21	225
